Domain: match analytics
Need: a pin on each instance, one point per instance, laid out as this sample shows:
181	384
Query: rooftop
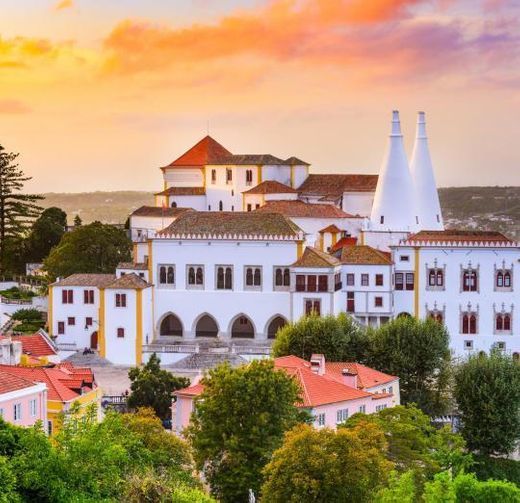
230	224
35	345
315	258
367	377
332	228
271	187
158	211
97	280
332	186
138	266
129	281
11	382
183	191
362	254
206	151
303	210
460	237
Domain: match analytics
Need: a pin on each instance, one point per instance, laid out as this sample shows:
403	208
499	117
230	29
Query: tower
427	197
394	207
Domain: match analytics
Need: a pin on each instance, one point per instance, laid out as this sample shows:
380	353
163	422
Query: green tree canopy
45	233
153	387
487	391
31	320
239	420
92	248
325	465
77	221
417	351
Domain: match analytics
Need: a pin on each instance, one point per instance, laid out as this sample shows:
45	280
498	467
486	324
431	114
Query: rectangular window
378	301
88	296
321	419
88	322
338	285
379	280
323	281
313	306
229	175
391	390
61	327
350	279
341	415
120	299
213	176
249	207
17	411
409	280
363	409
282	278
120	332
399	281
67	296
300	283
249	176
351	306
404	258
33	407
252	278
166	275
364	280
195	276
311	283
71	321
224	279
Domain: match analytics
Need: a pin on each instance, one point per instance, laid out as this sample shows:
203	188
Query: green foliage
31	320
153	387
92	248
440	490
325	465
45	233
8	492
338	338
487	391
15	293
401	489
77	221
418	352
486	467
239	420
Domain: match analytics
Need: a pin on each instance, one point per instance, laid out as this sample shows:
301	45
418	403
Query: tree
30	320
487	391
17	210
45	233
325	465
153	387
338	338
401	489
77	221
238	421
418	352
92	248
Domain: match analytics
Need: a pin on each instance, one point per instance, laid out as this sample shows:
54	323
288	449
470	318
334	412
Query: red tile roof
363	255
11	382
35	345
183	191
459	237
206	151
129	282
194	390
97	280
315	258
345	241
367	377
158	211
303	210
335	185
271	187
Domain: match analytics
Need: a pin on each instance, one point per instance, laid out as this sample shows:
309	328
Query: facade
330	391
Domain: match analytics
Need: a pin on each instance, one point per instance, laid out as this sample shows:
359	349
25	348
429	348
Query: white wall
183	177
312	226
300	174
382	240
196	202
358	203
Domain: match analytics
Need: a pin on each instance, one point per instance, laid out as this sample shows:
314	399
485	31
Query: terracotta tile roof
271	187
97	280
460	237
367	377
250	160
336	185
131	265
194	390
129	281
206	151
362	254
332	228
294	161
158	211
232	225
12	382
303	210
344	241
183	191
35	345
315	258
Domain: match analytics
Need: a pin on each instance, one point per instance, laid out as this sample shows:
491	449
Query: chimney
318	364
349	378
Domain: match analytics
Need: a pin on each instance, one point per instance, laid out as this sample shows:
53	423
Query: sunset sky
96	94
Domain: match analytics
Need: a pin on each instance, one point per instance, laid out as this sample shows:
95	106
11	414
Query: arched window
206	327
469	280
278	277
274	326
220	278
431	277
162	274
516	356
499	322
257	277
199	276
171	325
228	284
507	279
191	275
220	206
249	276
500	279
286	277
174	204
440	277
170	279
507	322
472	324
243	328
439	318
465	324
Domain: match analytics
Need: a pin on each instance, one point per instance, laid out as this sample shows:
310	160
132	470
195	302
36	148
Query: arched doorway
275	325
94	340
206	327
171	325
243	328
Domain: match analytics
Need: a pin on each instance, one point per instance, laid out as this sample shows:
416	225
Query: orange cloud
13	107
64	4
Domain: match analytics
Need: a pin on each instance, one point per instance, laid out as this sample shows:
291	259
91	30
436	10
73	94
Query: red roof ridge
205	151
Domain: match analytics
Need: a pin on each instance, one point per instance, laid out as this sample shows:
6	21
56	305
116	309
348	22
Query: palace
239	245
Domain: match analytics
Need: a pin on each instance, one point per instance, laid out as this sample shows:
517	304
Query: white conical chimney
427	197
394	201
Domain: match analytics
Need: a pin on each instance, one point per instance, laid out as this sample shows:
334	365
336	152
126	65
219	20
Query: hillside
495	208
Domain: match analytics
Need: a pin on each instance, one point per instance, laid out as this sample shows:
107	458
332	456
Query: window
33	407
61	327
300	283
213	176
337	282
321	419
71	321
382	220
404	258
503	279
364	280
49	428
323	283
351	305
391	390
120	332
257	205
399	281
120	299
350	279
379	408
379	280
224	277
410	278
341	415
469	323
503	322
282	278
378	301
220	206
363	409
249	176
229	175
88	296
17	411
249	207
67	296
313	306
436	315
166	275
311	283
88	322
435	279
469	280
195	276
253	278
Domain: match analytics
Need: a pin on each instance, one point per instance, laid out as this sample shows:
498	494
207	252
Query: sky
97	94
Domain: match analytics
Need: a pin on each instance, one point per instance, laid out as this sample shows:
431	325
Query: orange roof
271	187
335	185
183	191
367	377
206	151
35	345
363	255
459	236
11	382
194	390
345	241
304	210
315	258
332	228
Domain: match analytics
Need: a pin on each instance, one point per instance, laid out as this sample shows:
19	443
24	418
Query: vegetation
45	233
325	465
239	420
16	293
487	391
92	248
30	320
485	467
153	387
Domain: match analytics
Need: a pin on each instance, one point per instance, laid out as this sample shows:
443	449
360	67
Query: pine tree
17	210
77	221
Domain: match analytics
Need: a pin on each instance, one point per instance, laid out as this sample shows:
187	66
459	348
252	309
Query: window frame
196	285
120	332
120	300
285	272
225	268
365	279
254	269
166	283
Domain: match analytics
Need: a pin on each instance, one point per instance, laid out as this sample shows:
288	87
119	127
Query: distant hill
493	208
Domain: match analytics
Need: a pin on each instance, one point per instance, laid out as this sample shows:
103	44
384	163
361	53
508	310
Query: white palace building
239	245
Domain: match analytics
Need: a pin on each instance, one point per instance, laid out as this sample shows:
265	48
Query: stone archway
206	326
274	325
171	325
242	328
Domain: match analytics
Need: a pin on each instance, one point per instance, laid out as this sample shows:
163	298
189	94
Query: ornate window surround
436	269
503	270
469	268
469	311
502	312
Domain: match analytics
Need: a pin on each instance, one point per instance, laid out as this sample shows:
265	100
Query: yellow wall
299	249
